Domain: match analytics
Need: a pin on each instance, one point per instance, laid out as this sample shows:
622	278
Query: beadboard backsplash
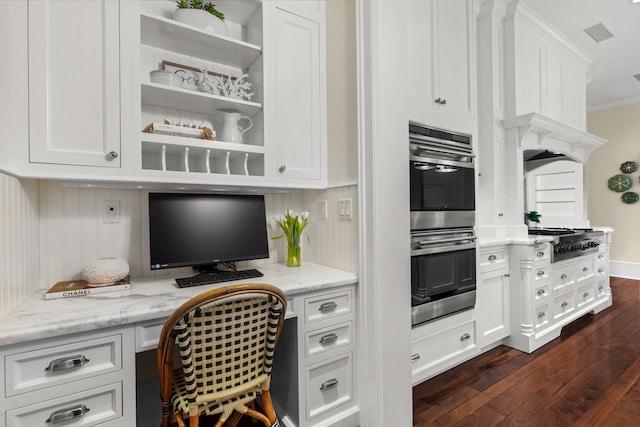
18	241
73	232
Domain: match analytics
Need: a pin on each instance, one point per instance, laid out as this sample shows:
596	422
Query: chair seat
180	402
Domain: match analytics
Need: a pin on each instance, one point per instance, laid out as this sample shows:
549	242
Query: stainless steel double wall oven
443	242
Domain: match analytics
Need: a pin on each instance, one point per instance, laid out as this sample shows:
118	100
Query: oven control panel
574	248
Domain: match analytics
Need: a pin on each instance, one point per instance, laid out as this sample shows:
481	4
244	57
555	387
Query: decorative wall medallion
630	197
619	183
629	167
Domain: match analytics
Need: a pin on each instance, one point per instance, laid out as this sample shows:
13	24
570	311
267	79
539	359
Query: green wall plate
619	183
629	167
630	197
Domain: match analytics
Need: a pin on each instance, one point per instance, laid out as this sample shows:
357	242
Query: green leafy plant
199	4
533	216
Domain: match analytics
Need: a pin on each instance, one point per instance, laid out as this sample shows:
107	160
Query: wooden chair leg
267	404
234	418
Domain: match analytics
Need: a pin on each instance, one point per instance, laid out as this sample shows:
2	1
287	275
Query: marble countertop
148	299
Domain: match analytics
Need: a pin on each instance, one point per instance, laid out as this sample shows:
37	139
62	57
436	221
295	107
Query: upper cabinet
442	65
545	73
129	94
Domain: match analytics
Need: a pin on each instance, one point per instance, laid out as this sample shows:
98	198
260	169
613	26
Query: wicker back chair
226	339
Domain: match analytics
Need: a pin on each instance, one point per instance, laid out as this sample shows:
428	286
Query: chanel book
79	288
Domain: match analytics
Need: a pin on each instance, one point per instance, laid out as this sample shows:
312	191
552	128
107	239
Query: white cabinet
441	49
74	82
88	378
441	344
492	303
296	96
326	355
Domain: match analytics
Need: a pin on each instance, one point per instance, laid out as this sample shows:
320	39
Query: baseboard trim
625	270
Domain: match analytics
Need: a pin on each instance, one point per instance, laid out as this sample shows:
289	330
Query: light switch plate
111	213
344	208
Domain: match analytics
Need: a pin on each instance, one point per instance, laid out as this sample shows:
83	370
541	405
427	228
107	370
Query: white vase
202	19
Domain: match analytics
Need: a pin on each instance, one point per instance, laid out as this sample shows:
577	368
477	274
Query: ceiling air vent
598	32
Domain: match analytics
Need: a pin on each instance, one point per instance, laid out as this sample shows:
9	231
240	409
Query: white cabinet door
441	49
493	307
300	130
74	82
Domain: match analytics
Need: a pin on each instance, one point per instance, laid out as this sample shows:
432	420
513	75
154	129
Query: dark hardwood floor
590	376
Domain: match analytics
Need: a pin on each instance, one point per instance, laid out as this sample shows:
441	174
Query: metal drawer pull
540	254
600	287
540	272
328	384
601	256
564	304
415	357
586	294
67	414
541	314
540	292
585	269
328	339
65	363
564	276
492	257
601	270
507	275
112	155
328	306
465	337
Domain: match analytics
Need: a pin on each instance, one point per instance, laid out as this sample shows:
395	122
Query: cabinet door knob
329	384
541	314
492	257
564	304
586	294
540	254
465	337
65	363
415	357
540	273
67	414
540	292
507	275
601	270
112	155
585	269
564	276
282	168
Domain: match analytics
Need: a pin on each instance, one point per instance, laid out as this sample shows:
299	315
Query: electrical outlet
111	213
344	208
324	214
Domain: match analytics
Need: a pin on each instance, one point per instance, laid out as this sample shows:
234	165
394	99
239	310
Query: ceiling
615	60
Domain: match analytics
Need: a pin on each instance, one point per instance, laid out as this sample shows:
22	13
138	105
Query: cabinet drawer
541	274
493	259
585	295
46	367
585	269
541	292
541	316
103	404
541	254
562	276
602	270
564	305
327	339
327	306
601	287
445	346
329	384
148	334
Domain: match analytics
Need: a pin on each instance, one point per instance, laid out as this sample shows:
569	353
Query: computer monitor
202	230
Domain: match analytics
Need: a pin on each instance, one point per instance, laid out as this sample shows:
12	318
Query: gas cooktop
557	231
570	242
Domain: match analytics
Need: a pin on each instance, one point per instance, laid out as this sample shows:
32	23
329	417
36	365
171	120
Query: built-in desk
109	329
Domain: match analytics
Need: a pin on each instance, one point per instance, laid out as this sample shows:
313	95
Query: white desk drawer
37	369
329	384
148	334
326	339
103	404
327	306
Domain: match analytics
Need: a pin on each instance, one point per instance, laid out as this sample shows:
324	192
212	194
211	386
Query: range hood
537	132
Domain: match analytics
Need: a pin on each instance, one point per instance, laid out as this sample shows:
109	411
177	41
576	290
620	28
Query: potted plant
533	218
199	14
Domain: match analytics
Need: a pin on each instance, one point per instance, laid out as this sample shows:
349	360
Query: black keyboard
217	277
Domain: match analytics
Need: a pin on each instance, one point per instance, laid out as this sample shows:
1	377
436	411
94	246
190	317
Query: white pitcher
231	130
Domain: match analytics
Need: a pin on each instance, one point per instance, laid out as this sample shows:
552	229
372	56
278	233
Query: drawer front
541	254
602	269
541	316
585	295
148	334
329	384
431	351
493	259
564	305
38	369
327	306
585	269
541	274
563	276
541	292
326	339
88	408
601	287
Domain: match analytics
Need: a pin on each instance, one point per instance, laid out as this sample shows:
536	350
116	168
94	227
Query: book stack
79	288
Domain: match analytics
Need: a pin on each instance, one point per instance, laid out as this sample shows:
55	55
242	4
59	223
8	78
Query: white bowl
166	78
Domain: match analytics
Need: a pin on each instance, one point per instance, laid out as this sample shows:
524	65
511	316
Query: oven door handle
440	162
444	248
